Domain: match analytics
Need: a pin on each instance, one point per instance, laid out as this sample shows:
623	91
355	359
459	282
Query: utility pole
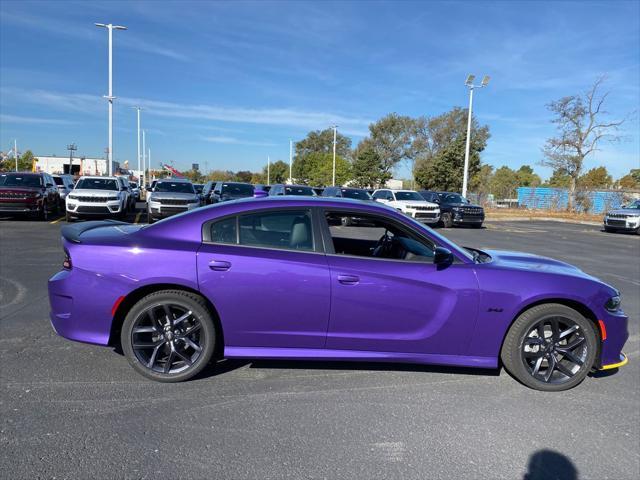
72	147
15	151
110	96
471	86
268	170
149	160
335	135
290	161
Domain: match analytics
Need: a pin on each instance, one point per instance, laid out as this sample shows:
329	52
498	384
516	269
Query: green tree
25	162
244	176
504	183
480	183
278	172
441	143
317	169
559	179
194	175
321	141
368	169
631	180
527	177
580	130
597	177
393	137
221	175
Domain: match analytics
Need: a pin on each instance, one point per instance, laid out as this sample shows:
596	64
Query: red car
29	193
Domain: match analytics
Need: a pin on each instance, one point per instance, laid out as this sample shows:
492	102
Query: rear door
268	279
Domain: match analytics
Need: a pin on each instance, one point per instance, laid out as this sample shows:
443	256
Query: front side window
374	237
97	184
287	230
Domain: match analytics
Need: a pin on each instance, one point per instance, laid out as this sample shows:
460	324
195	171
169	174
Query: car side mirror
442	258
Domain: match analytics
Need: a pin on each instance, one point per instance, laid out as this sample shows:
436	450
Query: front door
387	295
269	285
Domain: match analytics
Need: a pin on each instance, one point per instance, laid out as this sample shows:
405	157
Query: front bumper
629	223
158	210
623	361
77	209
464	218
19	207
424	216
614	332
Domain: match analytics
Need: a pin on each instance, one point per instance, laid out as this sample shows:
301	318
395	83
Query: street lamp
72	147
335	135
138	140
469	83
290	161
110	28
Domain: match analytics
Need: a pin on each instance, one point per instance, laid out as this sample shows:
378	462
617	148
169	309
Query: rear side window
224	231
289	230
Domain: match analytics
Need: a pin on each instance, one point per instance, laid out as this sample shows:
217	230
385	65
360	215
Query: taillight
66	263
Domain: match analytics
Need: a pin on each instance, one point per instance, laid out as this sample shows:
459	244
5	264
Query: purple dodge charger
327	279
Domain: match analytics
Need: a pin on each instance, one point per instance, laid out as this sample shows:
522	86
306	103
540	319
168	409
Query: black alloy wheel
169	336
550	347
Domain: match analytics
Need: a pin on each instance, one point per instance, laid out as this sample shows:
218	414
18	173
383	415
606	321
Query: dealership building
79	165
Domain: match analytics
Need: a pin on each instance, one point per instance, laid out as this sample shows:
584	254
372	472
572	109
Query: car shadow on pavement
550	465
224	366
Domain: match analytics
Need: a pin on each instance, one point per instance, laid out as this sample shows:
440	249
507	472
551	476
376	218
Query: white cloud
5	118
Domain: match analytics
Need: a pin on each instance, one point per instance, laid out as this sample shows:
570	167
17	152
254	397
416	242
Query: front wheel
169	336
447	220
550	347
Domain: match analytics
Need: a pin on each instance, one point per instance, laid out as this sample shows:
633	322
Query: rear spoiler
73	232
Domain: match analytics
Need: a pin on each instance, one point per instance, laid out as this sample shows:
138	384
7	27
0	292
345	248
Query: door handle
348	279
219	265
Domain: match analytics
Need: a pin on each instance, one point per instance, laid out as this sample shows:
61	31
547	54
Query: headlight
613	304
112	198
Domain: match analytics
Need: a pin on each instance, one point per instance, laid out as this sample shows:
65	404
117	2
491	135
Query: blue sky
224	84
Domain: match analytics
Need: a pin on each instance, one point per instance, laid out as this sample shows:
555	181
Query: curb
542	219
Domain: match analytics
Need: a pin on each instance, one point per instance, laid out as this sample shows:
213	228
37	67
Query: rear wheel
550	347
169	336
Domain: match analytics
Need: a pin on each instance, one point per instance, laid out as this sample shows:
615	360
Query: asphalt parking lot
69	410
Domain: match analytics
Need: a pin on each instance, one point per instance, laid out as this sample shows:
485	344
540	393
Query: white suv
410	203
97	196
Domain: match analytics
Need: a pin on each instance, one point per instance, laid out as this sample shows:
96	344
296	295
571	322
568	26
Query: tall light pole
138	140
15	151
290	161
470	86
335	136
72	147
110	28
268	170
144	152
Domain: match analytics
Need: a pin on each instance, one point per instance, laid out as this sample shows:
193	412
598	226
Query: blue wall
558	199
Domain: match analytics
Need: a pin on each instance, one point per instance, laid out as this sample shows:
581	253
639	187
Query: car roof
97	177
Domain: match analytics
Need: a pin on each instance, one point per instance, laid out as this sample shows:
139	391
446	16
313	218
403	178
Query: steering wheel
384	245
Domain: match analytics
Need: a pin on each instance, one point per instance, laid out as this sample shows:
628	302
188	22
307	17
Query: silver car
626	218
171	196
65	184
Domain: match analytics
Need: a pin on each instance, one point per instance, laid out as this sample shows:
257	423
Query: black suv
282	189
30	193
346	192
224	191
455	209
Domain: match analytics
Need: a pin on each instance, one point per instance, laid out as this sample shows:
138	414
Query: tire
447	220
69	218
161	347
43	213
345	221
530	359
149	218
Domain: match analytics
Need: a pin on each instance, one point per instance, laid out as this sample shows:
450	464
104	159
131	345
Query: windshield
357	194
453	198
409	196
635	205
177	187
17	180
97	184
299	191
237	189
198	188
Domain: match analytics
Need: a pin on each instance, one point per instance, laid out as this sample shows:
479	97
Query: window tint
355	193
374	237
289	230
178	187
237	189
380	194
224	231
298	190
97	184
408	196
